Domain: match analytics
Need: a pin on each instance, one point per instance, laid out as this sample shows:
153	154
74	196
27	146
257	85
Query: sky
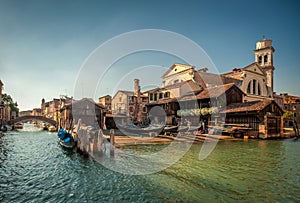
45	44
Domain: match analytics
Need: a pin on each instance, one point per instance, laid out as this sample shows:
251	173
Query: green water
34	168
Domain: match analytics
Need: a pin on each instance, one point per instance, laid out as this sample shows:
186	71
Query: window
160	96
167	94
249	88
254	87
266	59
120	99
176	81
151	96
260	59
155	97
240	83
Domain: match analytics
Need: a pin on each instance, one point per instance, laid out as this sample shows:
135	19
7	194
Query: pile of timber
91	141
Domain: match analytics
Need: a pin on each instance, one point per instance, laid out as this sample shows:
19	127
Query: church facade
257	79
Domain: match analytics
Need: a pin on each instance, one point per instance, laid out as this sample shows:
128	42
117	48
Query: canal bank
34	168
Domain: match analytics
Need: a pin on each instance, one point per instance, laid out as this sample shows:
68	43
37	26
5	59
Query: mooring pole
112	142
100	140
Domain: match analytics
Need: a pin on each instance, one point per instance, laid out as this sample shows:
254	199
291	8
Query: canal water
34	168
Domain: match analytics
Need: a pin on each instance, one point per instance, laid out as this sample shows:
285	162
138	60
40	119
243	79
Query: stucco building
106	102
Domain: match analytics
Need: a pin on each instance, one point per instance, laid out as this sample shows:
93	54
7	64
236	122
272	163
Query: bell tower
264	57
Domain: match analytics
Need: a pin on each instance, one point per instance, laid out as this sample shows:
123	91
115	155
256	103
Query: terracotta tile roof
217	79
191	85
211	78
104	96
86	100
247	106
214	91
151	90
130	93
209	92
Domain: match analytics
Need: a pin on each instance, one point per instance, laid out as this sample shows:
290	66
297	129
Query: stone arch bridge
29	118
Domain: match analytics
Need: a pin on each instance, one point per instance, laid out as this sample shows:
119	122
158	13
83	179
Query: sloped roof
152	90
128	93
105	96
89	100
176	85
211	78
249	106
214	91
174	65
190	83
163	101
237	72
216	79
193	86
211	92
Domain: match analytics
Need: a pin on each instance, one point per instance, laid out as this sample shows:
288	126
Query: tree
8	101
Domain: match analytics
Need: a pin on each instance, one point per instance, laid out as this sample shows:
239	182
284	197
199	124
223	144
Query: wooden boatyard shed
265	117
90	113
213	97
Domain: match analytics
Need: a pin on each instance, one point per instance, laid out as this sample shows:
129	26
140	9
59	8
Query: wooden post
266	126
281	127
93	142
100	140
78	136
112	142
77	129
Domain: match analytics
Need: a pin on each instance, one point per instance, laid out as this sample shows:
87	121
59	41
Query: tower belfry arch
264	53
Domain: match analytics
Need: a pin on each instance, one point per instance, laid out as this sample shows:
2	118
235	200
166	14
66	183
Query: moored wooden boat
18	126
66	144
141	131
65	139
168	130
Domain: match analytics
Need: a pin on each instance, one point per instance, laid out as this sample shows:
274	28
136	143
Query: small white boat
52	129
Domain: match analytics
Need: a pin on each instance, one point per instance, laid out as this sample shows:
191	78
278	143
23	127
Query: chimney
204	69
136	87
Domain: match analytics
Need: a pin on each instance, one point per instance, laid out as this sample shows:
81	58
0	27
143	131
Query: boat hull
68	145
141	131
